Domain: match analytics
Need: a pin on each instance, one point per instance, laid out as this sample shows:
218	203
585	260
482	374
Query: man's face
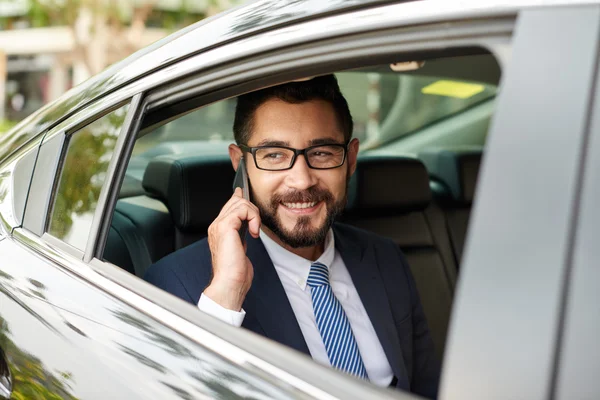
298	205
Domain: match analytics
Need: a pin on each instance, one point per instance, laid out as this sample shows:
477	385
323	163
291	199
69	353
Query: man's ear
352	155
235	154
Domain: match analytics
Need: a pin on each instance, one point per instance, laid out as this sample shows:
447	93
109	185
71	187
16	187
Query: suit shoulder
184	273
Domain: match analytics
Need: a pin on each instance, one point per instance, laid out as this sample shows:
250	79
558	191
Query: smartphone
241	181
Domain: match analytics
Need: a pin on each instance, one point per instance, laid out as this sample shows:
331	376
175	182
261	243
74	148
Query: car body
526	311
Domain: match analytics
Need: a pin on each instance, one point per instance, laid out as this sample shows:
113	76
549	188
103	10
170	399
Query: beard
303	234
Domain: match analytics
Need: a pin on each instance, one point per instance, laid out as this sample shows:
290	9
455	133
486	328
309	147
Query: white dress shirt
293	272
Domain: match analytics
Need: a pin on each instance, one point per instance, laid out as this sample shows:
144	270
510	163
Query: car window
83	173
385	107
388	106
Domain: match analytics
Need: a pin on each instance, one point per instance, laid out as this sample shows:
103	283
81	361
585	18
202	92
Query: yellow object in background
459	90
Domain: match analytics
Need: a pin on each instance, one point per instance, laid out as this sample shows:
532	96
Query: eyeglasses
279	158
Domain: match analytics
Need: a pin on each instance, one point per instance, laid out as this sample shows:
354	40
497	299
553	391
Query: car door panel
503	332
95	346
578	360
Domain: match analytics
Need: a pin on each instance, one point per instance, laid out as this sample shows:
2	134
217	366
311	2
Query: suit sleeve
426	366
184	273
162	276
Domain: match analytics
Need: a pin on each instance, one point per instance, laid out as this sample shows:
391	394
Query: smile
302	208
300	205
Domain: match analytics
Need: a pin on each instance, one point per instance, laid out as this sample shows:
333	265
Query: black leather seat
391	197
454	176
184	194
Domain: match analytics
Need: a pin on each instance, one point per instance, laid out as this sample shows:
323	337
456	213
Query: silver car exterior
525	287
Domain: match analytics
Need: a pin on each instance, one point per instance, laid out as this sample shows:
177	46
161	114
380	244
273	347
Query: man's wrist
227	296
208	306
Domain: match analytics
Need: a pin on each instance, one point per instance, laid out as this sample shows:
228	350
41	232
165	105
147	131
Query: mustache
312	194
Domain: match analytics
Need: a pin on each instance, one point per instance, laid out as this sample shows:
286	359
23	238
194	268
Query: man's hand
232	270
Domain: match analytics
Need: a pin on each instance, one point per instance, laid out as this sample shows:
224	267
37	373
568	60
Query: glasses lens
326	156
273	158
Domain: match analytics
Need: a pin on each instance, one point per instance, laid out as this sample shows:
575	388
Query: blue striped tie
333	324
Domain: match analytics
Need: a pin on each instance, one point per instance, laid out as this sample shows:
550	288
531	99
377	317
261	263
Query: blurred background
49	46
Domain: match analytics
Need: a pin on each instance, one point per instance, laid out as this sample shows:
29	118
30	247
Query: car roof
235	24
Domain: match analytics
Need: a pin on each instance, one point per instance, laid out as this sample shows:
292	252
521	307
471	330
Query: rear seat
454	177
388	196
391	196
184	195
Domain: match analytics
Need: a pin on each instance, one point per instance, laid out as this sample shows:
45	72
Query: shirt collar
293	266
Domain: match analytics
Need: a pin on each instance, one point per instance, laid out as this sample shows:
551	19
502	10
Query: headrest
194	188
457	169
389	184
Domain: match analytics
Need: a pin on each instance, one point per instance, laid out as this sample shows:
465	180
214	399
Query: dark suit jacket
379	272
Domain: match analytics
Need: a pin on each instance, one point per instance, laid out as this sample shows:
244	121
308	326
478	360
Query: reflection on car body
78	225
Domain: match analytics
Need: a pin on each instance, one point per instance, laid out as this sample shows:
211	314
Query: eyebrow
314	142
268	142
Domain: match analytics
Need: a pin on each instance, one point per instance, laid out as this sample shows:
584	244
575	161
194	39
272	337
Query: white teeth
300	205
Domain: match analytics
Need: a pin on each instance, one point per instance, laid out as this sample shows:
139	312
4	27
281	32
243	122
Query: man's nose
300	176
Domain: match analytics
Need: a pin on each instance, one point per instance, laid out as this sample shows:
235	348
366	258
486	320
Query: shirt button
301	282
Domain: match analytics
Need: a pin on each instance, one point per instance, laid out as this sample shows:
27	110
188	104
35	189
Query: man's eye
322	154
274	156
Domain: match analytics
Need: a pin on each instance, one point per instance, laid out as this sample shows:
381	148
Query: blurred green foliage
31	379
45	13
83	174
5	125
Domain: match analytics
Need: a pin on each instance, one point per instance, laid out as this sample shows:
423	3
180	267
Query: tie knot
318	275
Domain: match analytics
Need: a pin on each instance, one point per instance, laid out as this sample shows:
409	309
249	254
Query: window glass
385	106
388	106
83	174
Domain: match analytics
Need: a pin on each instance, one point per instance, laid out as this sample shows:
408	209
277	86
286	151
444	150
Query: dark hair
320	88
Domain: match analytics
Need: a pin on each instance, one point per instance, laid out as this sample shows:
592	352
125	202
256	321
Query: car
480	158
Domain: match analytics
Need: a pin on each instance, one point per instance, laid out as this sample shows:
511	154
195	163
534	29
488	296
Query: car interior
422	128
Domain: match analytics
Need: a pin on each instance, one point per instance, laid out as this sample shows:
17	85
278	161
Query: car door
62	333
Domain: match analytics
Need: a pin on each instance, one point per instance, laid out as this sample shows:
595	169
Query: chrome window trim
188	321
117	166
61	245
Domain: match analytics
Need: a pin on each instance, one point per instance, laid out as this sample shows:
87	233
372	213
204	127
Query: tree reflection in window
83	174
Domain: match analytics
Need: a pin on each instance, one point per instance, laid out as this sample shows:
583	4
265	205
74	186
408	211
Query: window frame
234	77
48	168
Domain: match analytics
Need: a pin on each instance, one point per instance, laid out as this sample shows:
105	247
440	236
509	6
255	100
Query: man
344	296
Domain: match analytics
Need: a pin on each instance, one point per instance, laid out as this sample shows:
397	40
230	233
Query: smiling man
341	295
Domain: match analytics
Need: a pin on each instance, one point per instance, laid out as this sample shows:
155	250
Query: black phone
241	181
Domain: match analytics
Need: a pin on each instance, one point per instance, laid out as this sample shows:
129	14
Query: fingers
236	210
243	211
235	199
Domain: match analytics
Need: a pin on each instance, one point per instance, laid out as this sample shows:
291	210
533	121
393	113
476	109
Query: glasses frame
253	150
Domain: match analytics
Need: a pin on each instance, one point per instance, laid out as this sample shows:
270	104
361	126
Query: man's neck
310	253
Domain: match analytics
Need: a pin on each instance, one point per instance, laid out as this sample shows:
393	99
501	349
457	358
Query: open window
422	129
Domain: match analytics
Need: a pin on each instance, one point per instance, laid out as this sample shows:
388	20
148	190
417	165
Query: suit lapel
361	263
267	302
